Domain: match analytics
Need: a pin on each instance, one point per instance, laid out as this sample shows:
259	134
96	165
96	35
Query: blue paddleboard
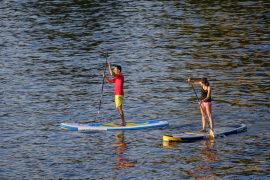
193	136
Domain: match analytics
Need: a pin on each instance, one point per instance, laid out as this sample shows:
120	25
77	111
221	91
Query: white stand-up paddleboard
193	136
112	126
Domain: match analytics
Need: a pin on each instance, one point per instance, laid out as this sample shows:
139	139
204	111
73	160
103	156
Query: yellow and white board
113	126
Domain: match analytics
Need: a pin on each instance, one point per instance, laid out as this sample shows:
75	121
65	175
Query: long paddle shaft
211	132
102	87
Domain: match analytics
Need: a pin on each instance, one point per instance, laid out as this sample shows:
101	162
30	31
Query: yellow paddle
211	132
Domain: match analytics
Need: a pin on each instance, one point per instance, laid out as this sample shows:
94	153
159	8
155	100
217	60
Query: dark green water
52	59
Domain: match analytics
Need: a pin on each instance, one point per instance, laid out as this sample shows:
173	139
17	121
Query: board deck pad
217	130
113	126
196	135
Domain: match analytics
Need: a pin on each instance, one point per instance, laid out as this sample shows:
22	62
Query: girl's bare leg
209	114
203	120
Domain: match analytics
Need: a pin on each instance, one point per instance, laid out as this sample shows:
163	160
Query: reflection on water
203	165
122	161
204	170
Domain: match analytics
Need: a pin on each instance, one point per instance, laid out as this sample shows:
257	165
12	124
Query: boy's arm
110	69
107	79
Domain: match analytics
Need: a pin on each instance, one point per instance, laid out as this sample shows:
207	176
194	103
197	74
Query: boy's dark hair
119	67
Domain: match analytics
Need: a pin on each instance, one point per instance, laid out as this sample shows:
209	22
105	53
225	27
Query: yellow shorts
119	100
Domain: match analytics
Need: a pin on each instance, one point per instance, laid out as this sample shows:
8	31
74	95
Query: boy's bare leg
123	122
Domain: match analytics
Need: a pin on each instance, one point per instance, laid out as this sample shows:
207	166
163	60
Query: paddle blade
97	115
212	134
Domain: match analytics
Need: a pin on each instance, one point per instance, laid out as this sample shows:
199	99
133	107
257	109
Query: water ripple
52	59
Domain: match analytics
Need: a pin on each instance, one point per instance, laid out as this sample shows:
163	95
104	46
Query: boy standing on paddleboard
118	89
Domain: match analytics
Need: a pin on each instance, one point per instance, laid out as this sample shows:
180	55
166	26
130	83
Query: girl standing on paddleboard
118	89
205	102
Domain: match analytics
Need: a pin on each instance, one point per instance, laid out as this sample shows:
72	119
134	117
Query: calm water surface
52	59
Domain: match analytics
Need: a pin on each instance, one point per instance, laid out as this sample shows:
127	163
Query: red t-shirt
119	84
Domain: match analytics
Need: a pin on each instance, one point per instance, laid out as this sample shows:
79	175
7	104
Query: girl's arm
194	82
208	94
